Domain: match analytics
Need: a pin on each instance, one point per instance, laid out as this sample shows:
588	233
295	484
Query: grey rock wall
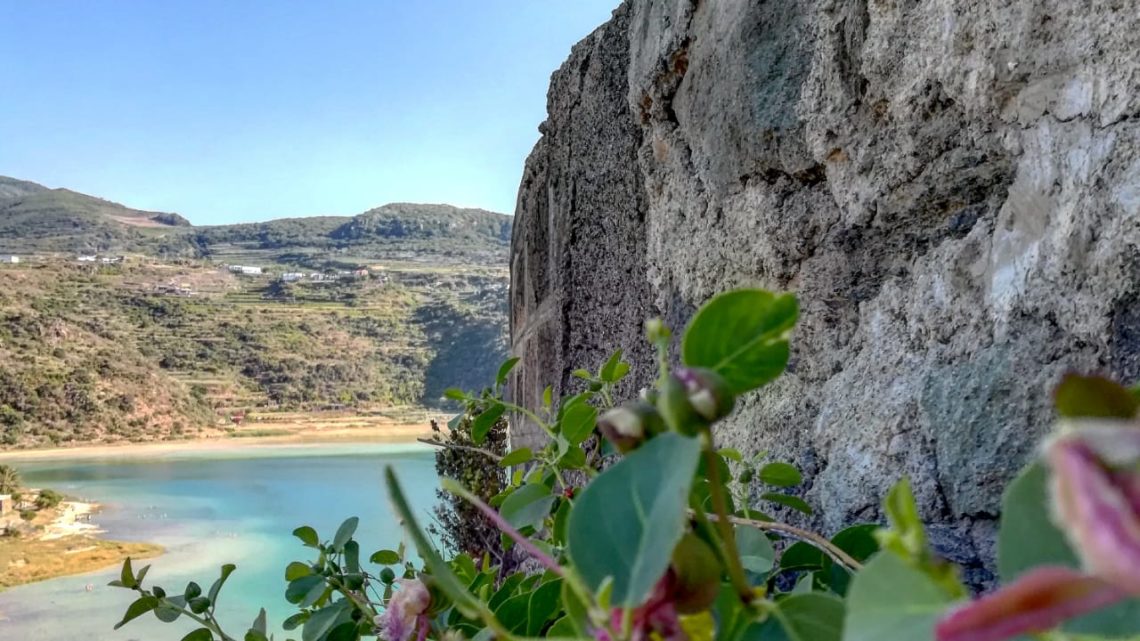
951	187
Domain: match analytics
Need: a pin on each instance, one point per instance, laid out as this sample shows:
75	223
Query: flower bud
1096	497
630	425
679	413
696	575
708	392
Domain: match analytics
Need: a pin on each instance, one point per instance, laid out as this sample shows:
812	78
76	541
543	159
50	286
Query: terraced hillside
152	350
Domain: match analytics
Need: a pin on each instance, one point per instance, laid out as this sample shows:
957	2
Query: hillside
378	314
38	220
146	351
34	218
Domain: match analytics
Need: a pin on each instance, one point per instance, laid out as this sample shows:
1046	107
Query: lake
208	509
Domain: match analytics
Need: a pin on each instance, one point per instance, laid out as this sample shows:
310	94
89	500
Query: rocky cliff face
951	187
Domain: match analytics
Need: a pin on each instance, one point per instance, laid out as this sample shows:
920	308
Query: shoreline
398	434
65	547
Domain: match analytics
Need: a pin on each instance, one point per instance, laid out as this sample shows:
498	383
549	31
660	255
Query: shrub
48	499
666	544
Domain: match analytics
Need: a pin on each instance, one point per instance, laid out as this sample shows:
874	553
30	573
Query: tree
10	480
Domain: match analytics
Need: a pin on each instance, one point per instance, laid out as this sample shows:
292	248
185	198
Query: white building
245	270
289	277
83	258
10	260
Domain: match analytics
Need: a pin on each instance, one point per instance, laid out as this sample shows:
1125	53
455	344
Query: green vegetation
377	311
146	351
38	220
637	527
10	480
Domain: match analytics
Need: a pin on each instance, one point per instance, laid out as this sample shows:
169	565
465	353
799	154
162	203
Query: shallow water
207	509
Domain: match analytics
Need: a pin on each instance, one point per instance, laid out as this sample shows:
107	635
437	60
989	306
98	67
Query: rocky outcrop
951	187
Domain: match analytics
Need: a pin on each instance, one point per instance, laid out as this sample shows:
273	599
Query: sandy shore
388	433
71	521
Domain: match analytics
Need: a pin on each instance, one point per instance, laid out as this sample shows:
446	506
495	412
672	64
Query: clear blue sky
234	110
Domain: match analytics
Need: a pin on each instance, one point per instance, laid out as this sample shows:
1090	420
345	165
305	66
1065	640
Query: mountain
35	219
378	314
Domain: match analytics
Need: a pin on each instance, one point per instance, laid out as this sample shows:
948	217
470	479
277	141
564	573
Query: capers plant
676	540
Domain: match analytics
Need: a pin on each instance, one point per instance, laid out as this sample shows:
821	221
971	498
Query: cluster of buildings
104	260
317	277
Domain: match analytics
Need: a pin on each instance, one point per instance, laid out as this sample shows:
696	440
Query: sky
238	110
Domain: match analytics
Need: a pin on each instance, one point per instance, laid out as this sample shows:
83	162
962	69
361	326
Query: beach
68	544
299	434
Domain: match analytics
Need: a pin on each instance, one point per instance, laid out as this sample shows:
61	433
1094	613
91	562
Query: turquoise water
206	510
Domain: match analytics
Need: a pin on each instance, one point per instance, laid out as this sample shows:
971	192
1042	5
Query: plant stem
728	537
807	536
531	415
456	446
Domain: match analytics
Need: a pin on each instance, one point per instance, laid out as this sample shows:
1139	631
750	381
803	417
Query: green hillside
380	313
38	220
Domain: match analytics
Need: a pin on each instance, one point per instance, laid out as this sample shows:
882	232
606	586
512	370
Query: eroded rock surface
951	187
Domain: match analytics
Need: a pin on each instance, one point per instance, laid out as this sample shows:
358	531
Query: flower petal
1096	508
1038	601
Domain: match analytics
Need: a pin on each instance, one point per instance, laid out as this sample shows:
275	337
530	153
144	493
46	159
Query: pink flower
405	613
1096	498
1096	503
656	619
1038	601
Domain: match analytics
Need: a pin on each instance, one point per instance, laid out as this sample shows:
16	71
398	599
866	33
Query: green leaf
731	454
544	604
743	336
258	629
609	371
582	374
628	520
192	590
344	533
780	475
528	505
227	570
573	459
858	541
297	619
352	557
455	394
794	502
322	621
578	422
127	575
756	552
170	609
1094	397
198	605
385	557
1027	537
300	589
890	601
441	572
801	556
811	617
308	536
517	457
201	634
294	570
505	370
141	606
548	396
483	423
